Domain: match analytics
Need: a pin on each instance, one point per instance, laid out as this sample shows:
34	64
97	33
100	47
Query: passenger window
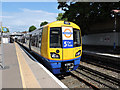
55	38
77	39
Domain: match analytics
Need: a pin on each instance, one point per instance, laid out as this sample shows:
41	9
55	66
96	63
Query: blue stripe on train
64	60
57	64
54	66
57	70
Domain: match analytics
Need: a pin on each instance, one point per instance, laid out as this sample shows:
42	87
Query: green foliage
8	30
60	17
43	23
86	14
32	28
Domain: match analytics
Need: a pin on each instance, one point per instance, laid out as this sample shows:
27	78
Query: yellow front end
53	48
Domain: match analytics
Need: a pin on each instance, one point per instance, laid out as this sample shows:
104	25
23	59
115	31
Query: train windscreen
55	38
76	36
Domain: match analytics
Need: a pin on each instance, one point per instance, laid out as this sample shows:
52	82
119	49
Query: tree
86	14
43	23
60	17
8	30
32	28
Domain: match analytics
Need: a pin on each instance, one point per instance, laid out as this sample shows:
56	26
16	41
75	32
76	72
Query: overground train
58	44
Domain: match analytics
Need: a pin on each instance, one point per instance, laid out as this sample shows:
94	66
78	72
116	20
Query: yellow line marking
28	78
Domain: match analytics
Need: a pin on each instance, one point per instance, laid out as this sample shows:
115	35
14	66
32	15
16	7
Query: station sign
4	29
67	35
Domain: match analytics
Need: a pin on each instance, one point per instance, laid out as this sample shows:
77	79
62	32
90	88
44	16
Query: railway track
78	79
101	65
74	81
99	78
116	80
85	77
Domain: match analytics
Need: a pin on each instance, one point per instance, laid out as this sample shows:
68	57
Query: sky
19	16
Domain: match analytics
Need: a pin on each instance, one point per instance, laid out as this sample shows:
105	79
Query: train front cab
64	47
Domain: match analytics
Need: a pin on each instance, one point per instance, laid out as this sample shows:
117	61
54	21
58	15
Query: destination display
67	35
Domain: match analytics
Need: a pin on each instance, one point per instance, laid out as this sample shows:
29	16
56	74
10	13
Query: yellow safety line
28	78
21	73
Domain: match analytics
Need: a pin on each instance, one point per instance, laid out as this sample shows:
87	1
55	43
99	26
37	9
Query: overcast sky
19	16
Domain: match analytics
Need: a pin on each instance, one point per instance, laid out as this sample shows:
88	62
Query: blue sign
67	43
5	29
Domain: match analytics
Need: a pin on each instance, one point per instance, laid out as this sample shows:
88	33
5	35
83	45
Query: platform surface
103	54
20	71
10	74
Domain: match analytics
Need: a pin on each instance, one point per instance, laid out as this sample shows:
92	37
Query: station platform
103	50
20	71
101	54
110	60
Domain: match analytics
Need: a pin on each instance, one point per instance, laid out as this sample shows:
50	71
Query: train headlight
54	55
78	53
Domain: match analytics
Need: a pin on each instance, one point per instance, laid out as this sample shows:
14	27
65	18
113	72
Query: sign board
4	29
67	35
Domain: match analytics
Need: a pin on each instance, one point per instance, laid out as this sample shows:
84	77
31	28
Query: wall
106	39
119	39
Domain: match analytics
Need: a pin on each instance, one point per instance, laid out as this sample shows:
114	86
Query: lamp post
115	27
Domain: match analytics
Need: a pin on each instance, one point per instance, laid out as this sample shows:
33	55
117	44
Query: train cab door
67	43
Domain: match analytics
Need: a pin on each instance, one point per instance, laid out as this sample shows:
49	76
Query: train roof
35	31
62	23
55	24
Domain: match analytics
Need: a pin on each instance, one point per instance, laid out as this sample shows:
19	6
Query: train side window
36	41
40	38
77	39
32	41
